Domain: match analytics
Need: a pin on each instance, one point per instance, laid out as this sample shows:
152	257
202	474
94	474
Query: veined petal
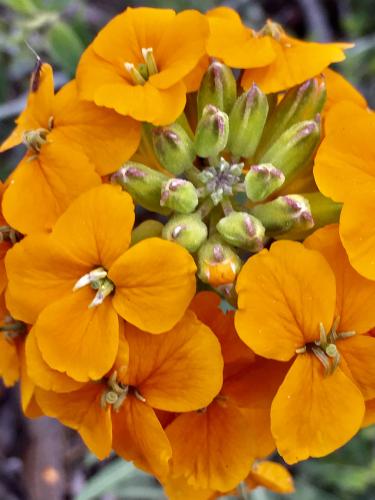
96	228
139	437
283	295
313	415
155	282
355	295
202	456
108	139
180	370
76	339
81	411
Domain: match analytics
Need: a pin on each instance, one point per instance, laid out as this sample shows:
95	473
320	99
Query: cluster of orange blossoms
194	166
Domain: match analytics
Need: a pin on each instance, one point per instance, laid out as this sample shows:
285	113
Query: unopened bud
212	132
295	148
299	104
143	184
218	264
147	229
246	122
187	230
284	214
218	88
179	195
263	180
242	230
173	148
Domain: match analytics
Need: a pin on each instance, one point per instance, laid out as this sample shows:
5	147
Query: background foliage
58	30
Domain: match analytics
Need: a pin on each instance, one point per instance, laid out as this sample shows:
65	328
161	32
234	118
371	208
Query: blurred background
59	30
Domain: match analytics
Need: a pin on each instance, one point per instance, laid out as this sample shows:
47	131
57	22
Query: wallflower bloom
67	141
201	458
295	306
75	282
178	371
295	60
138	62
344	169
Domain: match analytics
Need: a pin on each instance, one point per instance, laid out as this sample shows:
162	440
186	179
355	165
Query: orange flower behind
137	63
288	301
98	142
75	283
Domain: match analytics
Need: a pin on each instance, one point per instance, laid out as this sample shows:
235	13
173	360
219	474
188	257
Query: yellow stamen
134	73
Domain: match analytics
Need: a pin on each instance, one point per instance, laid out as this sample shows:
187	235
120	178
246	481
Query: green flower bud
262	180
147	229
284	214
212	132
294	149
173	148
218	264
246	122
143	184
187	230
218	88
299	104
242	230
179	195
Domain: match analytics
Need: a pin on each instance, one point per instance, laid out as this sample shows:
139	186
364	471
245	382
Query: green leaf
107	479
65	46
23	6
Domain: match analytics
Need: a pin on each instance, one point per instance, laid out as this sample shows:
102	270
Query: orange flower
52	125
288	300
234	43
137	63
270	475
344	171
178	371
202	459
75	283
295	61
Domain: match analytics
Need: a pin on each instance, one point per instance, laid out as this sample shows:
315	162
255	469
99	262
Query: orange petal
355	295
313	415
43	375
295	62
155	282
96	228
54	177
202	455
38	108
345	158
81	411
180	370
340	89
29	405
271	475
32	285
177	488
283	295
108	139
234	43
139	437
357	231
206	306
9	365
359	354
369	417
76	339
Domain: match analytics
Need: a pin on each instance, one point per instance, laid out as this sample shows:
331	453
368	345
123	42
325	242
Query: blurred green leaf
107	479
65	46
22	6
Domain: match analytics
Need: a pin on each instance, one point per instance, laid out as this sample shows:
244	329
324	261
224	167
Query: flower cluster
194	166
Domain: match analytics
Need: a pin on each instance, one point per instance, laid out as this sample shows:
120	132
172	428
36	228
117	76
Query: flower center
34	139
12	329
99	281
325	348
142	72
116	392
220	180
